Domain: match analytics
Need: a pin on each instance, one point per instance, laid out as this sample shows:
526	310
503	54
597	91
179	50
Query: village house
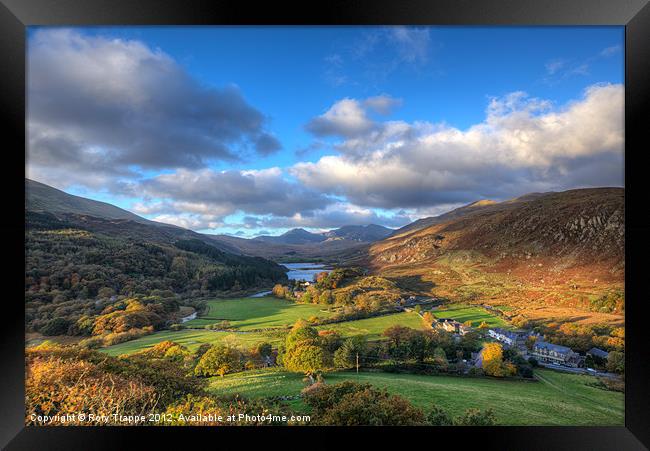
560	355
451	325
509	337
598	354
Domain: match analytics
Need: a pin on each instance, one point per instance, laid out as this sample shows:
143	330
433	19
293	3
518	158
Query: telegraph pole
357	363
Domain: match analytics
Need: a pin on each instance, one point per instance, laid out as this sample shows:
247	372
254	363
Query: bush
439	417
474	417
352	404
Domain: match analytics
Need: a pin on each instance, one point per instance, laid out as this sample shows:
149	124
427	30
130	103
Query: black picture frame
16	15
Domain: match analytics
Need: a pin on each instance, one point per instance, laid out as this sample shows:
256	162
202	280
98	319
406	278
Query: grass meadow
557	399
462	313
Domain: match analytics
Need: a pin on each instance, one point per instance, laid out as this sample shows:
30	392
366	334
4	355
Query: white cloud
382	104
99	107
523	145
412	43
347	118
609	51
206	195
335	215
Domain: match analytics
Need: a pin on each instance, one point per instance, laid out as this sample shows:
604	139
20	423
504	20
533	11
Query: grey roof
552	347
598	353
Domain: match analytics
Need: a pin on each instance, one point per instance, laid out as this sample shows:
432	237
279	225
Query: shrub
352	404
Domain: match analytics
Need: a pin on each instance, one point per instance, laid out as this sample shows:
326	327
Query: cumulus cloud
209	196
382	104
349	118
523	145
102	106
346	118
336	215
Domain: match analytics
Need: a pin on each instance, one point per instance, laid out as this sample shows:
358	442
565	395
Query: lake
305	271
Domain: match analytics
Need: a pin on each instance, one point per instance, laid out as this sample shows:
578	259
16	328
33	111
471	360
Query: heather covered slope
556	256
41	197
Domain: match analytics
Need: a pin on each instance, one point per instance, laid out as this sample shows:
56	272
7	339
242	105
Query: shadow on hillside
413	283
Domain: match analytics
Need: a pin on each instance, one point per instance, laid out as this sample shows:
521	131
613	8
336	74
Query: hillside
77	264
41	197
552	255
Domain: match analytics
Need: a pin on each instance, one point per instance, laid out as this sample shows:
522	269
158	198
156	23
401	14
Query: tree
219	360
304	350
428	317
305	358
326	297
56	326
345	357
440	359
342	298
493	363
616	362
279	291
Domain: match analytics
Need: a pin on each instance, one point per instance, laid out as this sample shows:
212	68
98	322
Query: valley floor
557	399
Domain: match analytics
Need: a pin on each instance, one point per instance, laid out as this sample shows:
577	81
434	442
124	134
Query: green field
462	313
257	313
371	328
265	312
193	339
558	399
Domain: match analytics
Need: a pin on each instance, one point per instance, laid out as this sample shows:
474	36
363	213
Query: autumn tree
493	363
326	297
304	350
616	362
428	317
219	360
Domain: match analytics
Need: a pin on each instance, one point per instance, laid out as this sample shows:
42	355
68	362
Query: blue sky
432	90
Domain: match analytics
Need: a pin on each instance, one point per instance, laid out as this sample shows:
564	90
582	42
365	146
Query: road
577	370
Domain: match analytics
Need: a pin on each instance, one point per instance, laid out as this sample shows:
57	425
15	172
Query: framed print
328	222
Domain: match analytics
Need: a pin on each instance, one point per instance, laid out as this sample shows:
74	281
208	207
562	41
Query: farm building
560	355
451	325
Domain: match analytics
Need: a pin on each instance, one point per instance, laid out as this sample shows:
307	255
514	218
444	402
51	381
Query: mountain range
359	233
557	256
293	244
